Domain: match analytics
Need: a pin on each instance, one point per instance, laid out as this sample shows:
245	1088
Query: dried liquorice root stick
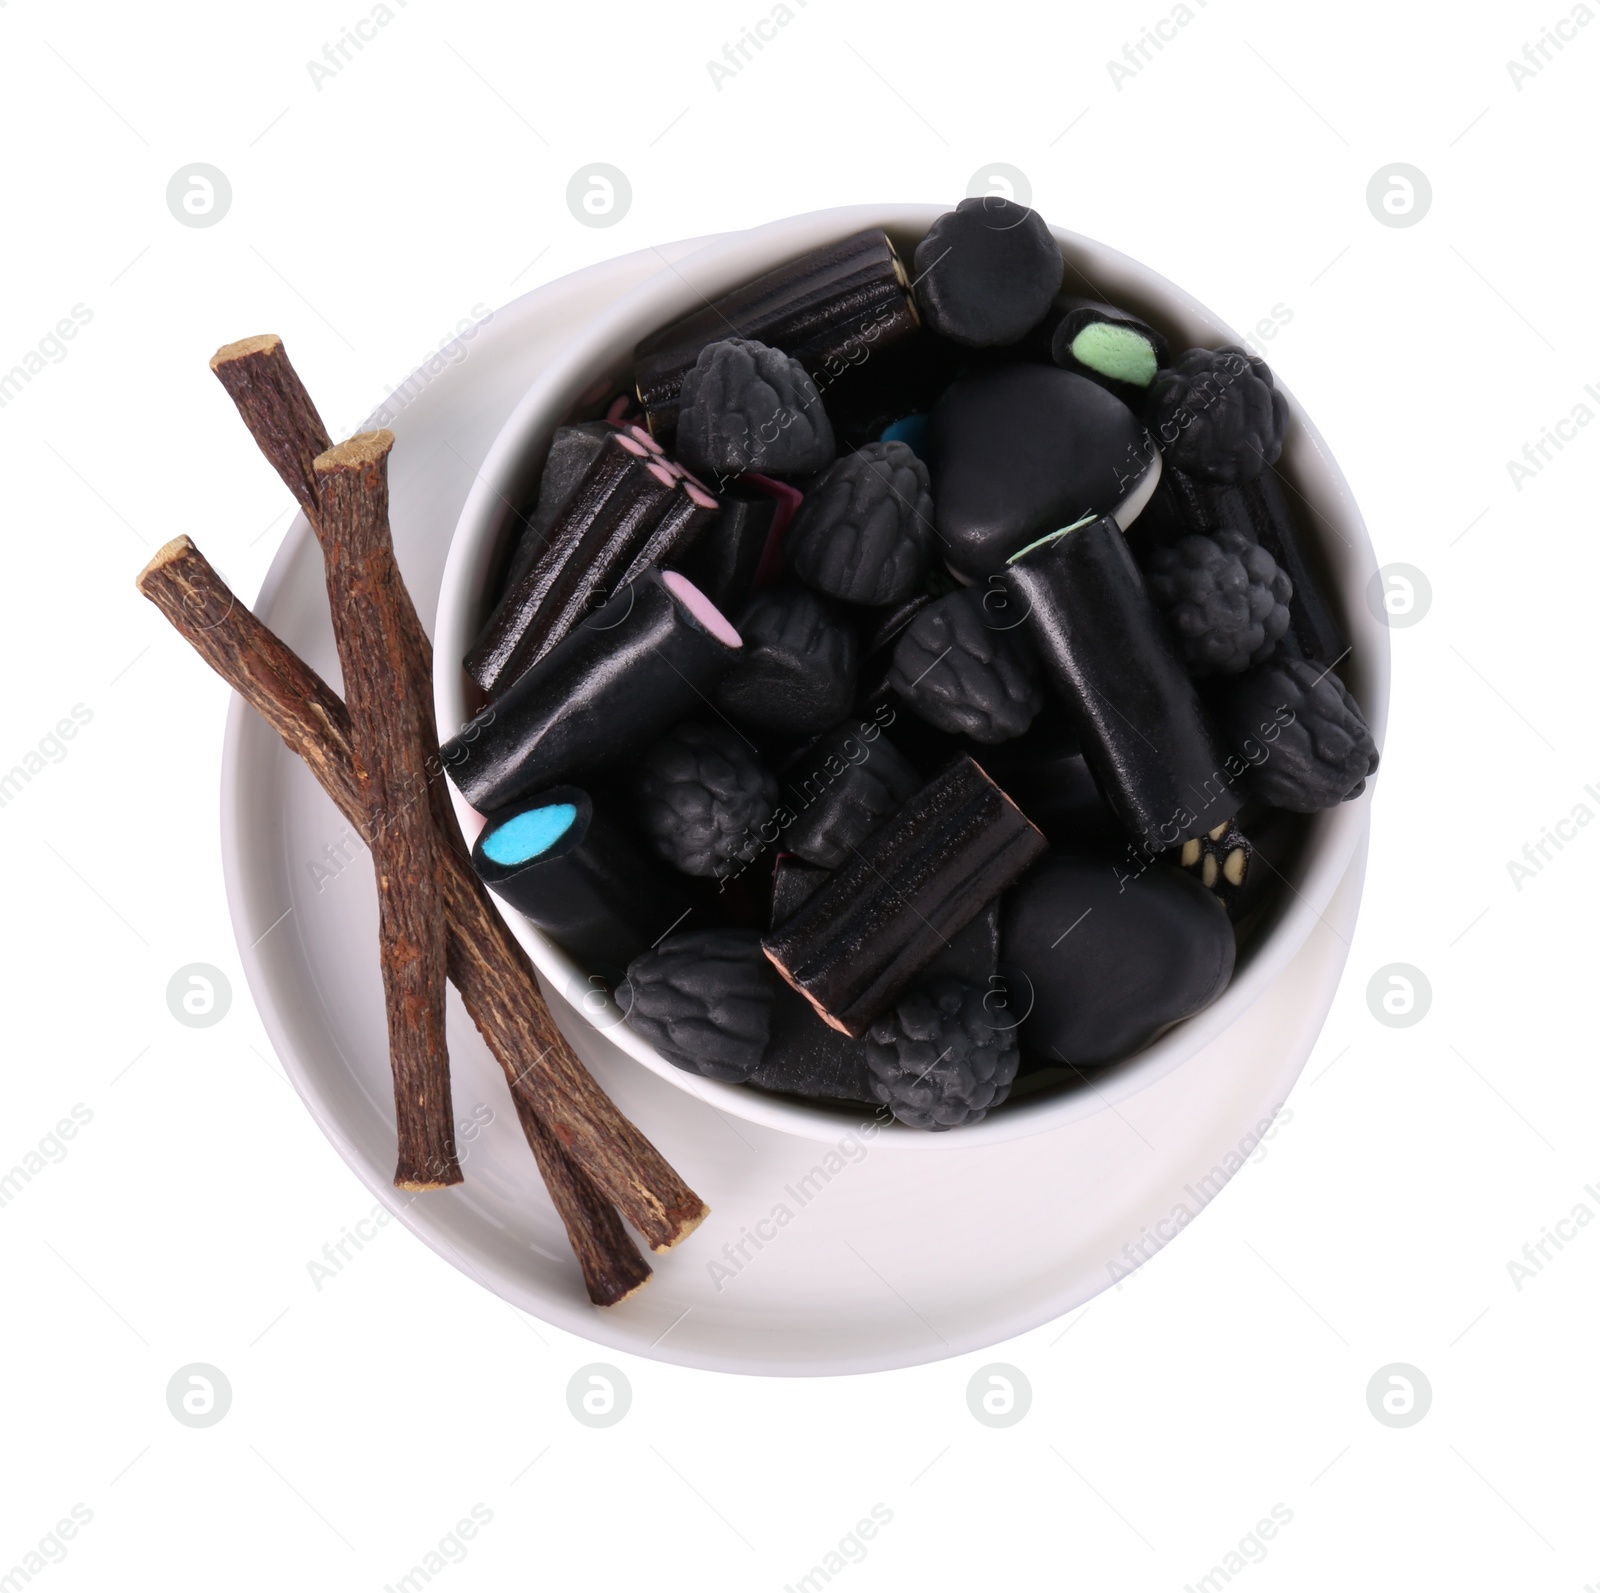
279	414
487	964
392	770
613	1269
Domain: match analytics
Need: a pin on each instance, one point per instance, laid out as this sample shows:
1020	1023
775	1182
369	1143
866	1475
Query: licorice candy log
629	672
572	450
625	485
726	557
1220	860
840	789
822	308
580	878
876	923
682	523
1106	653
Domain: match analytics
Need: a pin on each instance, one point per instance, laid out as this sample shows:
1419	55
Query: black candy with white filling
987	271
862	533
744	406
797	672
1104	958
1021	451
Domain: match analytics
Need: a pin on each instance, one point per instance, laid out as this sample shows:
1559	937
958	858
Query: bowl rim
724	262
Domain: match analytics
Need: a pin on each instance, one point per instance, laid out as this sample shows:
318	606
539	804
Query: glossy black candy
875	924
798	672
1103	960
1023	450
632	669
593	891
725	558
1106	653
840	789
986	271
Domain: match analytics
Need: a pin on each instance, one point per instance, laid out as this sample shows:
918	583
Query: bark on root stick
1106	652
866	933
391	763
487	964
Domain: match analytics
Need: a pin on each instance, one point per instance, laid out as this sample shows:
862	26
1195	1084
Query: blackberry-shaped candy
1300	731
941	1059
987	271
797	672
1216	413
1220	860
963	677
703	999
1225	599
862	533
745	406
701	794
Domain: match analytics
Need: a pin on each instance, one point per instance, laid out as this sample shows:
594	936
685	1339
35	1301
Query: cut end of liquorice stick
356	453
261	343
167	553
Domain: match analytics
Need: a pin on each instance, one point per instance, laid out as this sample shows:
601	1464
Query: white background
368	216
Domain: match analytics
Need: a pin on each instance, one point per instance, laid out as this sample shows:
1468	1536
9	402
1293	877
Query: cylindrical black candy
875	924
726	556
580	878
1106	652
638	665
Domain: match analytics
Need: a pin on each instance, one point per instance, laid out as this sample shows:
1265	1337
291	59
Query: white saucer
807	1265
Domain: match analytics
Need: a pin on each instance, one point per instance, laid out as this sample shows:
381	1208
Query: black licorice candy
1022	450
628	673
1106	653
828	308
622	493
572	451
875	924
1189	505
580	878
1115	350
726	558
840	789
805	1057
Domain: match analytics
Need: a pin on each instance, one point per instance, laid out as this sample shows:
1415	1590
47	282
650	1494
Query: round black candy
862	533
797	672
943	1056
703	999
745	406
1225	599
987	271
701	793
1102	955
1216	413
1024	450
963	677
1300	731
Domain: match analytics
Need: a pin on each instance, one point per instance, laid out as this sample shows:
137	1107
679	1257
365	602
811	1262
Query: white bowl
599	354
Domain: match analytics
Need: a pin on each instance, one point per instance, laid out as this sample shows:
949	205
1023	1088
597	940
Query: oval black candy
1102	957
1024	450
